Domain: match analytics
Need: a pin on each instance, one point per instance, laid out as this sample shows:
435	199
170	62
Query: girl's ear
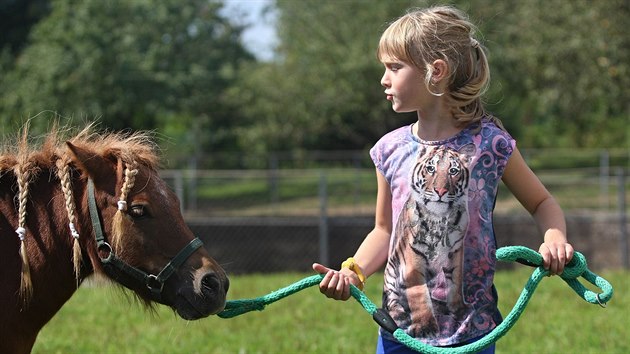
440	71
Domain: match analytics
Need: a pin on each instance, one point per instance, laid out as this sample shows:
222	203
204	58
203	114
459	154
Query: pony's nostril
210	284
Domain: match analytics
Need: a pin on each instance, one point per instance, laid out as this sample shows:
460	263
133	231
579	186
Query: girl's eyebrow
388	59
392	63
391	60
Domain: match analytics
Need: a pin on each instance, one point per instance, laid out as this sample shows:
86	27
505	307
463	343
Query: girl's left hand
555	256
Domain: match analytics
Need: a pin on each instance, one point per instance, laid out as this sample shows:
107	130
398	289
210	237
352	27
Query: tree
560	70
323	90
559	74
135	64
16	21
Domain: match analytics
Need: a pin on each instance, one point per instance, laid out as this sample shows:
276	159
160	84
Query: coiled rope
575	269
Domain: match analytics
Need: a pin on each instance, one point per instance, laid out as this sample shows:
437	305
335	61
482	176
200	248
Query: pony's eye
138	211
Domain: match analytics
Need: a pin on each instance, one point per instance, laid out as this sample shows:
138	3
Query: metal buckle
154	284
106	249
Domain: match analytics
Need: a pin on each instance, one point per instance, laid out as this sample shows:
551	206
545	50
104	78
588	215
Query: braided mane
26	156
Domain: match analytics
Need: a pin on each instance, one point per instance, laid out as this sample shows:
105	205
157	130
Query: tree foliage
560	71
16	20
135	64
323	90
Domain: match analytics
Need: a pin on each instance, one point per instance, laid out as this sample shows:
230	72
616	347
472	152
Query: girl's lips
389	97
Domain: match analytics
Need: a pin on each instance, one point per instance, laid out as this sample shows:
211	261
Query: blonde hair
424	35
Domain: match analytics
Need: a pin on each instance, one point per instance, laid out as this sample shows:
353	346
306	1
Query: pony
80	202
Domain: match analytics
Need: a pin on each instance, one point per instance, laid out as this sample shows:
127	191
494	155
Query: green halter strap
125	274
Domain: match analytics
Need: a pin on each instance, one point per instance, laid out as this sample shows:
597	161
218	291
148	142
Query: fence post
192	184
604	173
179	188
273	179
357	182
323	219
621	177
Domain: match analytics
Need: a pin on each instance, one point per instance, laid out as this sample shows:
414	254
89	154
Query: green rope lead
576	268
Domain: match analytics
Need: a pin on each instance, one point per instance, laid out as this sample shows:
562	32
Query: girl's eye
393	67
138	211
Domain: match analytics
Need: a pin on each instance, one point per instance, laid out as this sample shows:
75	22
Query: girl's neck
435	127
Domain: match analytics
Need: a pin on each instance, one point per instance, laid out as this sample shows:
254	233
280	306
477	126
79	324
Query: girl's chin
399	109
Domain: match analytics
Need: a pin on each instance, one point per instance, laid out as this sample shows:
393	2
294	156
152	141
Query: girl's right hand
336	284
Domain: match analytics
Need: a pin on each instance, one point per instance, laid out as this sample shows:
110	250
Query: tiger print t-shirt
438	283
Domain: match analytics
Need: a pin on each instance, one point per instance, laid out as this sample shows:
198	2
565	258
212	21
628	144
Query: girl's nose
385	80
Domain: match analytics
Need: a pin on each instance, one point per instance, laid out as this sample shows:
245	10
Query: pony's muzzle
206	297
212	286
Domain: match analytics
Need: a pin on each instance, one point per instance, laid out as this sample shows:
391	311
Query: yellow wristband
353	266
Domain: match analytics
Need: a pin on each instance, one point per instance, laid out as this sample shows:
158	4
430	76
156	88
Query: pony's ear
101	169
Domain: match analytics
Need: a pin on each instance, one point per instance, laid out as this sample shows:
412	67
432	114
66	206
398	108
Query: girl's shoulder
490	128
396	137
492	137
392	146
402	133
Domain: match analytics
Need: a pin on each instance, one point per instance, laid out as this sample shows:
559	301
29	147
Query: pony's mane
43	152
25	156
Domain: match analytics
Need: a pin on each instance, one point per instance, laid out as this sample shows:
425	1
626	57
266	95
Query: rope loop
576	268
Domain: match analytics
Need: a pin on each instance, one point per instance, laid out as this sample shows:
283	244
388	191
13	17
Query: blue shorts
387	346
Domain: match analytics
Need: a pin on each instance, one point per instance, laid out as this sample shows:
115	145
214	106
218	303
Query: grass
100	320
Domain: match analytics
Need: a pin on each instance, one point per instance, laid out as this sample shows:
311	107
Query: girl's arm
372	252
547	214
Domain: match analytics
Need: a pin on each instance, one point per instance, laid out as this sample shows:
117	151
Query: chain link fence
284	219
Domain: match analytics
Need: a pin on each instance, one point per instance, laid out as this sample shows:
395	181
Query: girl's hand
336	284
555	256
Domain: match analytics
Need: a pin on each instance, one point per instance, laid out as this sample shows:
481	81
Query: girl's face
404	86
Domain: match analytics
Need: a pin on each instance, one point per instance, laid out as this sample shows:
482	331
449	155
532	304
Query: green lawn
101	320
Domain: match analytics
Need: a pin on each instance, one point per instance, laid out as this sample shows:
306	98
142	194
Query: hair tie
73	230
122	205
474	43
21	232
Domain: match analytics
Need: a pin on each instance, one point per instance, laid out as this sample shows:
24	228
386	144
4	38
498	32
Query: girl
437	185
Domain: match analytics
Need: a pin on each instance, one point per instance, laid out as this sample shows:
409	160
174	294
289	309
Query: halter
126	274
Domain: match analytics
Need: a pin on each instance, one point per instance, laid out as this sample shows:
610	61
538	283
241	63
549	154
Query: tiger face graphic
424	273
440	180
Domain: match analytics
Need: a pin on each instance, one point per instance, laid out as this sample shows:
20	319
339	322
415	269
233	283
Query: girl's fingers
321	269
332	285
569	251
555	257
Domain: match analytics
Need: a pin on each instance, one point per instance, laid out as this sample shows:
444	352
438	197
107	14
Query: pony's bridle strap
127	274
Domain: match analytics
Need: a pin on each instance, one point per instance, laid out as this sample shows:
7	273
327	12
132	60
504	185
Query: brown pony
93	203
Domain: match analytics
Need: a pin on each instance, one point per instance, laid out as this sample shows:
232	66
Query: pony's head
142	226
